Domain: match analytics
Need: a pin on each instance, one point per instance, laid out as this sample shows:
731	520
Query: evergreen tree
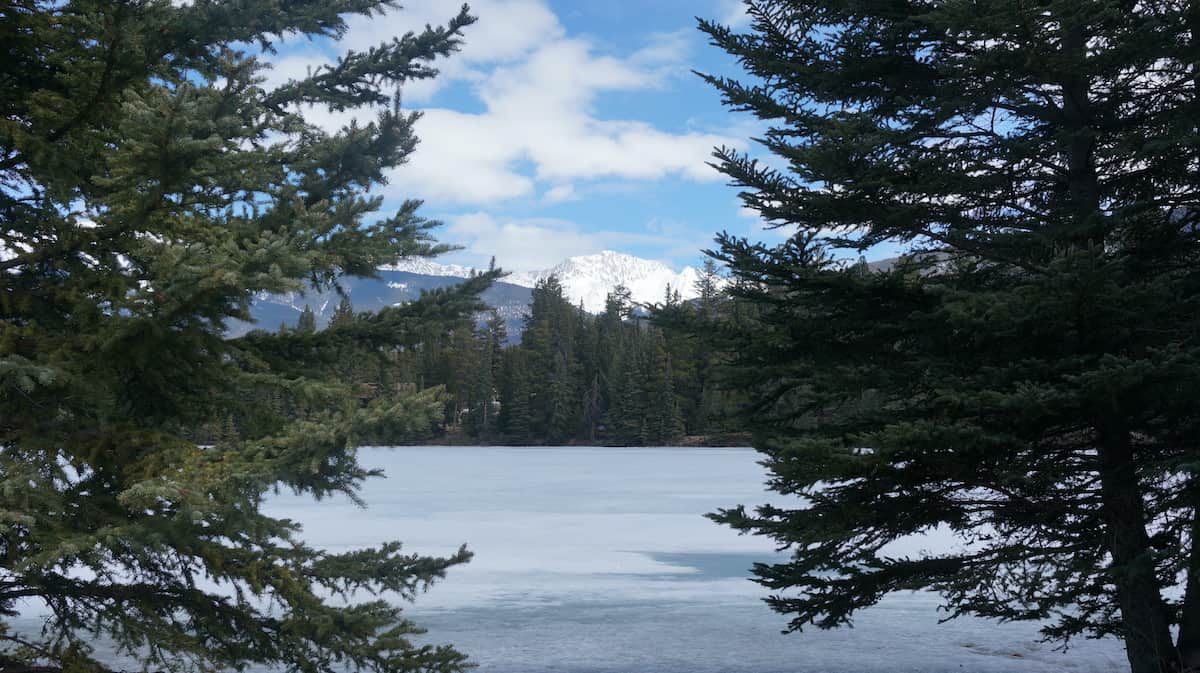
562	413
150	187
514	418
625	422
307	322
708	288
484	377
663	420
550	339
1027	376
343	314
497	337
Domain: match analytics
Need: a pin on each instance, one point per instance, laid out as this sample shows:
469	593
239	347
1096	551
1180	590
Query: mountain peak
586	279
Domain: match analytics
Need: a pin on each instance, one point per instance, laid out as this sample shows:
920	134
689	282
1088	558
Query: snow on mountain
427	267
587	278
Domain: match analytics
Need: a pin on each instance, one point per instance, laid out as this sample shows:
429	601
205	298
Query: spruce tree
1026	377
150	187
663	420
708	288
344	312
489	341
307	322
514	418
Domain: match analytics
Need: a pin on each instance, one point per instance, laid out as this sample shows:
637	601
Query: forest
635	375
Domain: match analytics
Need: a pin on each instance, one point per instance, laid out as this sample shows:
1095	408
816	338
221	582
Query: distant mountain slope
587	278
368	294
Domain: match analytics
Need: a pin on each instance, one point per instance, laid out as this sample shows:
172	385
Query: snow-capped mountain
426	267
391	288
587	279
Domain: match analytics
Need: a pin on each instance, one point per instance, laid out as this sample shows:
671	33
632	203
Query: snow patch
586	279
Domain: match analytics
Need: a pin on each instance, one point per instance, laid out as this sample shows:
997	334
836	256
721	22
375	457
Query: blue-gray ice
599	559
591	560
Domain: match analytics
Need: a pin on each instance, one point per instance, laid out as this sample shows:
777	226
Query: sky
564	127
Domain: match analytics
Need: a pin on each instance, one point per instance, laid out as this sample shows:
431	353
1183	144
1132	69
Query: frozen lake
598	560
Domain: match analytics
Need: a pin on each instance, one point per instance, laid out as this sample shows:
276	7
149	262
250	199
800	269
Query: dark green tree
562	402
664	423
514	417
484	377
625	421
1027	377
550	341
708	288
150	187
307	322
344	312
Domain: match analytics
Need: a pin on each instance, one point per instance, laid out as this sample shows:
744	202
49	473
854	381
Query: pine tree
663	420
562	413
625	421
150	187
708	288
307	322
343	314
489	341
514	418
1026	377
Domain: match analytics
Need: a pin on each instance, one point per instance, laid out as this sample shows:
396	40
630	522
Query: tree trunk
1144	617
1143	613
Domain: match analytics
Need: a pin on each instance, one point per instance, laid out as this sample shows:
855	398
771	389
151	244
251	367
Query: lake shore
715	440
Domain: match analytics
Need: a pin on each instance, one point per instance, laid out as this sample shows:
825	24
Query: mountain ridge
586	279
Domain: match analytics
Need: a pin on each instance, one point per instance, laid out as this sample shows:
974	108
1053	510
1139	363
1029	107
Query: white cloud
560	194
732	13
538	88
540	111
506	30
519	244
529	244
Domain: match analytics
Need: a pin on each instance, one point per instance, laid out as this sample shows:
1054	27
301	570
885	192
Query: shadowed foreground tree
151	186
1028	377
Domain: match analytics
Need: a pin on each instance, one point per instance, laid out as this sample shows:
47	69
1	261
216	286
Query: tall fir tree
1026	377
664	423
514	420
485	376
307	322
344	312
151	185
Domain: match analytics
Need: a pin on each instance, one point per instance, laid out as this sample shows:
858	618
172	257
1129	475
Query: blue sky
565	127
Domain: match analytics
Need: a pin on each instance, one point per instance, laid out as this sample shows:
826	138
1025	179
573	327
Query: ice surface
598	560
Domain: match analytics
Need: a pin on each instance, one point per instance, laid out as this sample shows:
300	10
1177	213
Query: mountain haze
586	280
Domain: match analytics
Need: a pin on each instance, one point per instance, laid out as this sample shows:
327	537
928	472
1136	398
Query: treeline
623	377
631	376
617	378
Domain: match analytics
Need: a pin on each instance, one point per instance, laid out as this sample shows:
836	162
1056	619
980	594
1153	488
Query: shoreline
730	440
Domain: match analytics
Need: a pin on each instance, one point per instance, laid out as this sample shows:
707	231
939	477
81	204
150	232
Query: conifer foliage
631	376
1027	378
151	186
609	379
